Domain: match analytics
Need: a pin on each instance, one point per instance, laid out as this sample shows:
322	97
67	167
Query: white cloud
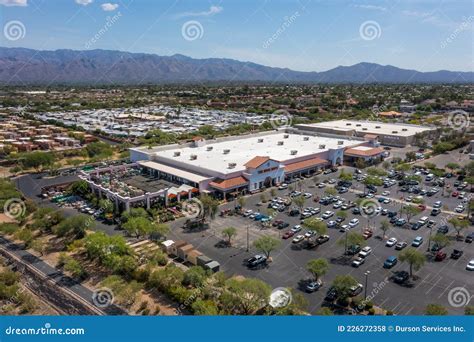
212	11
109	7
372	7
84	2
21	3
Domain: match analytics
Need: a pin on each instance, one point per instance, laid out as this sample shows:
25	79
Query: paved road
57	276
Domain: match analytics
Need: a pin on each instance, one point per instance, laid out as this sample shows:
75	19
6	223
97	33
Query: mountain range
93	67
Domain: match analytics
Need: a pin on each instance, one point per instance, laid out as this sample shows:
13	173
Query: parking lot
432	284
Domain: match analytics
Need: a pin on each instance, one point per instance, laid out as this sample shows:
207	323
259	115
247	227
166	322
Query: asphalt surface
433	282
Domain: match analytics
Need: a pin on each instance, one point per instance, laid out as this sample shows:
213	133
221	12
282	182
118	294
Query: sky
317	35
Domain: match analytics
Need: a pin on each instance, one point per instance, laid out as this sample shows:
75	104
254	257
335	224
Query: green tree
441	240
351	239
314	225
74	226
317	267
229	233
414	258
458	225
266	244
244	296
195	276
384	227
435	310
205	308
343	284
410	211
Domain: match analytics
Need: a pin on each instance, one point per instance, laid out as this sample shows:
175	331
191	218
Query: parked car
456	254
313	285
365	251
440	256
256	260
322	239
469	238
390	262
357	261
401	277
417	241
298	238
399	246
355	290
470	265
391	242
353	223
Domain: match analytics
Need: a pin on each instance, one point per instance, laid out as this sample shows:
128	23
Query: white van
424	220
429	177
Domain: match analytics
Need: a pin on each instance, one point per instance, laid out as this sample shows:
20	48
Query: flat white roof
173	171
244	149
371	127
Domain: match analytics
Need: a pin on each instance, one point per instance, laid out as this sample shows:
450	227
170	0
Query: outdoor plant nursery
169	165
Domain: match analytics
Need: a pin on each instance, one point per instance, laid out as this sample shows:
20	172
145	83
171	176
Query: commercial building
233	165
392	134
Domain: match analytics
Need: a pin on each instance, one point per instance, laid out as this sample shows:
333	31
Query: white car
307	195
248	212
365	251
283	186
358	261
385	193
327	214
354	222
298	238
391	242
437	204
459	209
470	265
309	233
296	228
321	185
332	181
337	205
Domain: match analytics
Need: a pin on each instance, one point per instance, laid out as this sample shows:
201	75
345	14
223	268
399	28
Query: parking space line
446	289
436	283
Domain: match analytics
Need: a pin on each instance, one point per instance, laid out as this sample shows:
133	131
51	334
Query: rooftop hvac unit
340	142
293	152
209	148
364	128
280	143
232	165
348	124
358	125
260	140
177	154
305	138
226	151
394	132
377	126
322	146
404	129
193	157
285	136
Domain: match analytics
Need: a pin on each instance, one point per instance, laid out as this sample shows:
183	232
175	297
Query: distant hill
27	66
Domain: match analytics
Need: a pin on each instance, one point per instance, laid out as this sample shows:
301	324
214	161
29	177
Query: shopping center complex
229	166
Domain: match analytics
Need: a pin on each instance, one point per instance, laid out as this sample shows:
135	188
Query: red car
440	256
288	234
455	194
367	234
276	223
422	207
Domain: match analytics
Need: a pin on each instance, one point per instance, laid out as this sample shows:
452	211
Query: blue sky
426	35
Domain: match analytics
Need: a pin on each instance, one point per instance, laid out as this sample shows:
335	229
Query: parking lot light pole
366	283
247	238
429	239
